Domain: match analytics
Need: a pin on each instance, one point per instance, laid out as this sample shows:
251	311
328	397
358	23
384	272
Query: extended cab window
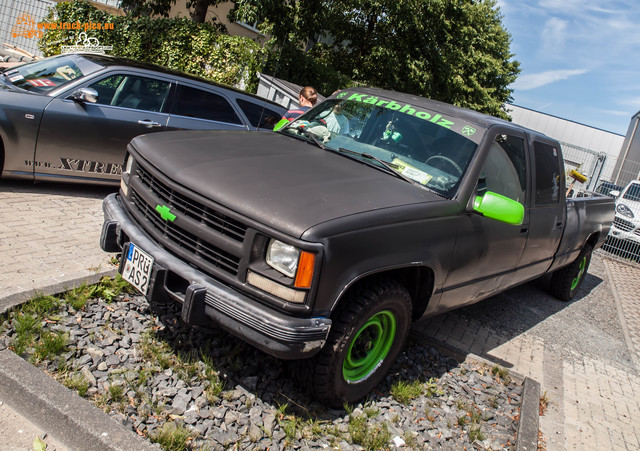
504	171
548	174
200	104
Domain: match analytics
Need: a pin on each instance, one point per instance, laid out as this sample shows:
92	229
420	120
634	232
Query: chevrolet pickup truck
325	240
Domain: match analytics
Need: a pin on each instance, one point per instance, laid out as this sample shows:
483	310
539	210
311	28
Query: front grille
192	208
220	228
622	224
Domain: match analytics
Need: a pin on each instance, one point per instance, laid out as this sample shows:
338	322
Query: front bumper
625	229
205	299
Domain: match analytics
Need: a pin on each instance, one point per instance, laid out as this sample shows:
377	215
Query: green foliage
49	345
404	392
76	381
195	48
368	435
502	374
172	437
456	51
41	305
476	434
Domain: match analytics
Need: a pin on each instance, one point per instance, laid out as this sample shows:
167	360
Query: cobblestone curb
15	299
74	421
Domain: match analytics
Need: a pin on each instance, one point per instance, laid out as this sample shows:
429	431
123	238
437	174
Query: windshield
417	144
46	75
633	193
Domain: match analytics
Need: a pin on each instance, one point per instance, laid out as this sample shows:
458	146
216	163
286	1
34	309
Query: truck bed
585	215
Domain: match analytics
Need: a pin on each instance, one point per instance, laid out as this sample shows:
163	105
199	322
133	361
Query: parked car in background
70	117
624	235
606	188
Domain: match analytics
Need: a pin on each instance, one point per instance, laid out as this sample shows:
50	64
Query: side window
504	170
132	91
192	102
106	88
548	174
259	115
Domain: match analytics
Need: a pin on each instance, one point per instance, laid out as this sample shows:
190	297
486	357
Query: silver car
70	117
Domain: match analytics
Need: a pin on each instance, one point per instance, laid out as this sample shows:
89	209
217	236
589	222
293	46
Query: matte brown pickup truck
325	240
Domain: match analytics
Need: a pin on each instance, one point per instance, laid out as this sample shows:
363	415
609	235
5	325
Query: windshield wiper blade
308	134
391	167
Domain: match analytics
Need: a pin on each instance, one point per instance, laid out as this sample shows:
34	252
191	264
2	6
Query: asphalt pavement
585	353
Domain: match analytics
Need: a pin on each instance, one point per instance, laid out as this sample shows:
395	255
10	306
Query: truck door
547	214
487	251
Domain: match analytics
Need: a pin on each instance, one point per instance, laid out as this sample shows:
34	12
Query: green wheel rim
576	281
369	347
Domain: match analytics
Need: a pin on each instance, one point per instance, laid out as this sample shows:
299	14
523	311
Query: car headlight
128	164
126	171
624	210
283	257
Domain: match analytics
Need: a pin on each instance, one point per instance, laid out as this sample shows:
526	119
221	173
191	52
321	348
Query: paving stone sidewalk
593	404
49	238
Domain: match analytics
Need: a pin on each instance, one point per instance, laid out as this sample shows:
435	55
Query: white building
591	151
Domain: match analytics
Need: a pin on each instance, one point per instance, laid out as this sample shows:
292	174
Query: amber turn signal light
306	264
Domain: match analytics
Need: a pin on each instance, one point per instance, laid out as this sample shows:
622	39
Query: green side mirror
281	123
495	206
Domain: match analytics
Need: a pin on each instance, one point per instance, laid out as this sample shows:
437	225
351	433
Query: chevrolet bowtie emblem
165	213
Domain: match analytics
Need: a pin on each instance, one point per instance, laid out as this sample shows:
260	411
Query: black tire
566	282
367	335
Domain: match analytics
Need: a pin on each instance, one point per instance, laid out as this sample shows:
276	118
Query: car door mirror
614	193
495	206
88	95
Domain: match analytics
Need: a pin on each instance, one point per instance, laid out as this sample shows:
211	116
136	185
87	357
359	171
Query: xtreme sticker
71	164
406	108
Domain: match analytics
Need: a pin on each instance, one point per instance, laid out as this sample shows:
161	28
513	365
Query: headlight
124	178
624	210
128	164
283	257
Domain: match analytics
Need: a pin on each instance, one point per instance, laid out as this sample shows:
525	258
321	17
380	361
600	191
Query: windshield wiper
308	134
391	167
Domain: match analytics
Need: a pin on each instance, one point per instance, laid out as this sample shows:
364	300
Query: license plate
137	268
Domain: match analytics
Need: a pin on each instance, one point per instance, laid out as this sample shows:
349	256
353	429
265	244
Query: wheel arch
593	239
417	280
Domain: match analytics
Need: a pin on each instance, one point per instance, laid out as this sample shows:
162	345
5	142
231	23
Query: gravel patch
205	387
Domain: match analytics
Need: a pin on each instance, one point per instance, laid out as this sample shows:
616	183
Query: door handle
524	230
558	224
149	124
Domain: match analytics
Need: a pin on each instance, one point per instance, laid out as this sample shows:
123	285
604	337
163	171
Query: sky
579	59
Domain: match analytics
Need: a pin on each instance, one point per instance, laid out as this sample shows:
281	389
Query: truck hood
279	181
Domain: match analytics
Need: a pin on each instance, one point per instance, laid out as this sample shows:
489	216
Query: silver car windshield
425	151
51	73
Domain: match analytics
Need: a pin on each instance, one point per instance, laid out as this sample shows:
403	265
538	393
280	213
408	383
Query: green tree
180	43
198	8
456	51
